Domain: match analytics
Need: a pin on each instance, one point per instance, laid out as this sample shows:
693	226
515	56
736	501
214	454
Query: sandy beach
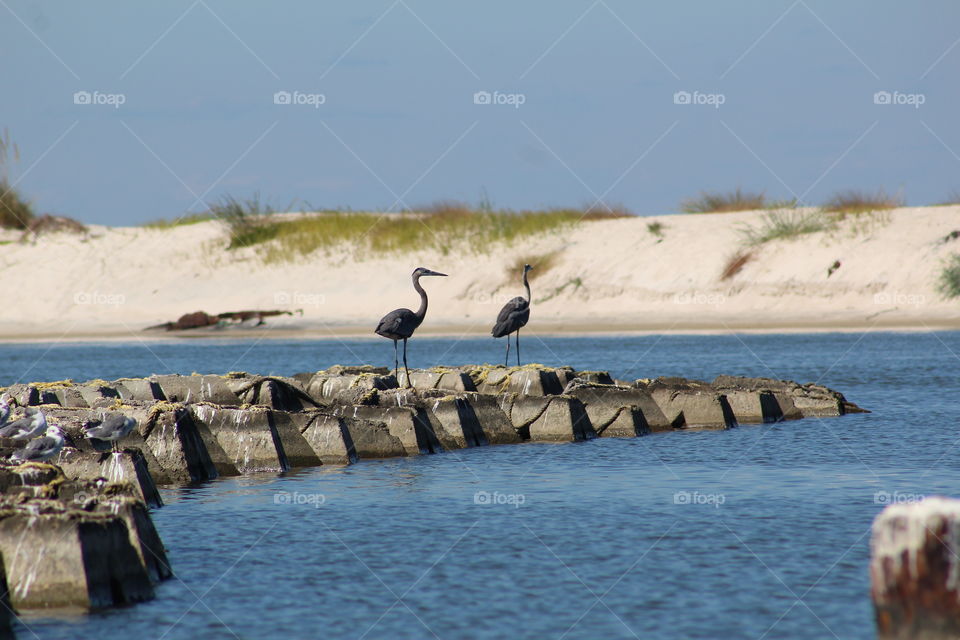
610	276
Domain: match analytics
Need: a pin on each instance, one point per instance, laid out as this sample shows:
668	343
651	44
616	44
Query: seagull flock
45	441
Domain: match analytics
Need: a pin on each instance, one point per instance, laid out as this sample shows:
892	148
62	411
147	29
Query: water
581	540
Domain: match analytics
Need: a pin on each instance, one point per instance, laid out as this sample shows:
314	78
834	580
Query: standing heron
512	317
400	324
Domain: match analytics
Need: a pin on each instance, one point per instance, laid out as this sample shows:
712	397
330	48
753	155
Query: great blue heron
400	324
512	317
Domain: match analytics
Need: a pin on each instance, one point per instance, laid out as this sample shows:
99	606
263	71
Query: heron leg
518	346
409	383
506	360
396	360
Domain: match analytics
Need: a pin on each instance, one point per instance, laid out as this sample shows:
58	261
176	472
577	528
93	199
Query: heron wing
513	316
396	323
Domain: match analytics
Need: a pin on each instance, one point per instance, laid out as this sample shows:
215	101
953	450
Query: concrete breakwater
74	544
198	427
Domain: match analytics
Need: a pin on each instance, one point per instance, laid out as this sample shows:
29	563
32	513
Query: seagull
5	400
32	424
41	449
112	428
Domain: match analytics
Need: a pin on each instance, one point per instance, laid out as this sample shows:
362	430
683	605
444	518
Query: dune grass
170	223
656	228
15	211
441	226
855	202
719	202
949	281
736	263
780	225
541	263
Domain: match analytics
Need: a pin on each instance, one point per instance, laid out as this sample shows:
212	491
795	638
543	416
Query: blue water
755	532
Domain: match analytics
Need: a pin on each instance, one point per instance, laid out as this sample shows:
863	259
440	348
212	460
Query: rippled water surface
581	540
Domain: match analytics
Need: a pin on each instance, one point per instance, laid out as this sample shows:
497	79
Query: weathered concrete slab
348	386
402	422
197	388
690	403
180	452
286	394
58	557
327	435
548	418
619	411
239	440
127	466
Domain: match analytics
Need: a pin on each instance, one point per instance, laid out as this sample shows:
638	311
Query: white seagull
5	399
112	428
32	424
41	449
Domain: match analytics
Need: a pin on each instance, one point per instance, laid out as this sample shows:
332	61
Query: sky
129	112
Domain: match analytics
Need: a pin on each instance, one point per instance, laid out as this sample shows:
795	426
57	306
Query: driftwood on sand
200	319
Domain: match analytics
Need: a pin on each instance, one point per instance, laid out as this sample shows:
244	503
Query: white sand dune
612	275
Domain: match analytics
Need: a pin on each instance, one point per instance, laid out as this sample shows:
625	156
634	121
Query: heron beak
435	273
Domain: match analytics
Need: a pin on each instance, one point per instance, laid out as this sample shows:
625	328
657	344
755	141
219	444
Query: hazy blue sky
399	126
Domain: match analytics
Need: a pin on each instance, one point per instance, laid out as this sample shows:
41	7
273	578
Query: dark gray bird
512	317
41	449
400	324
112	428
32	424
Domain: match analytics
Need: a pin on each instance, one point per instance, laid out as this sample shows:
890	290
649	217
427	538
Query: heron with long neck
513	317
400	324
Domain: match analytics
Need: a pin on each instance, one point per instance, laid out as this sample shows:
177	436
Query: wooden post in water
915	570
